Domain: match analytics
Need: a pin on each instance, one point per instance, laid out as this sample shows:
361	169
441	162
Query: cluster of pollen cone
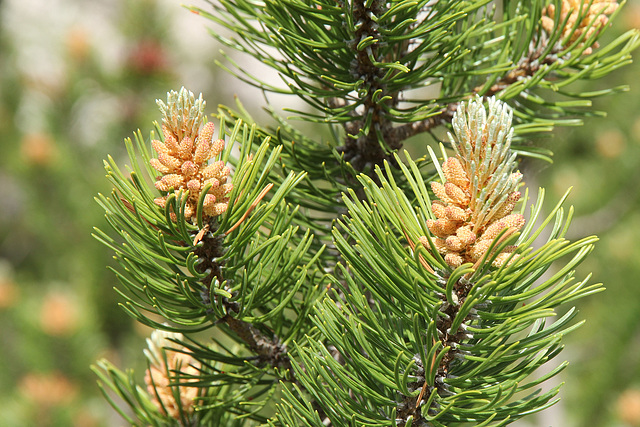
583	18
480	189
165	362
183	157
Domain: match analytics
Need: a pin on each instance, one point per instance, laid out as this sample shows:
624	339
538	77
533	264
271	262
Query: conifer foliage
295	281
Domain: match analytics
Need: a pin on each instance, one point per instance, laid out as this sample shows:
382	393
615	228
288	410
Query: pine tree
294	280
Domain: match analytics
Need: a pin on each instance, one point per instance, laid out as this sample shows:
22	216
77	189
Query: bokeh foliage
50	264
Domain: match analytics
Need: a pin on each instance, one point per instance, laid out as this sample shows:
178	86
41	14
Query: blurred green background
77	77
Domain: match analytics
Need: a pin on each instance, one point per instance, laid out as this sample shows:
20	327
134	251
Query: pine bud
453	259
169	161
170	181
456	194
159	147
185	149
515	221
453	243
454	173
439	209
189	169
155	163
440	192
455	213
466	236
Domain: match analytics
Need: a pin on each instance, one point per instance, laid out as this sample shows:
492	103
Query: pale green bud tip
183	113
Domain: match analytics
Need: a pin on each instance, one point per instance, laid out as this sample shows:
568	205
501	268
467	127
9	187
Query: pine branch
211	254
437	308
354	62
436	346
406	131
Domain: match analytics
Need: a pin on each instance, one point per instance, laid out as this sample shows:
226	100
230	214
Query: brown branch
270	349
447	338
364	151
526	67
401	133
266	345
